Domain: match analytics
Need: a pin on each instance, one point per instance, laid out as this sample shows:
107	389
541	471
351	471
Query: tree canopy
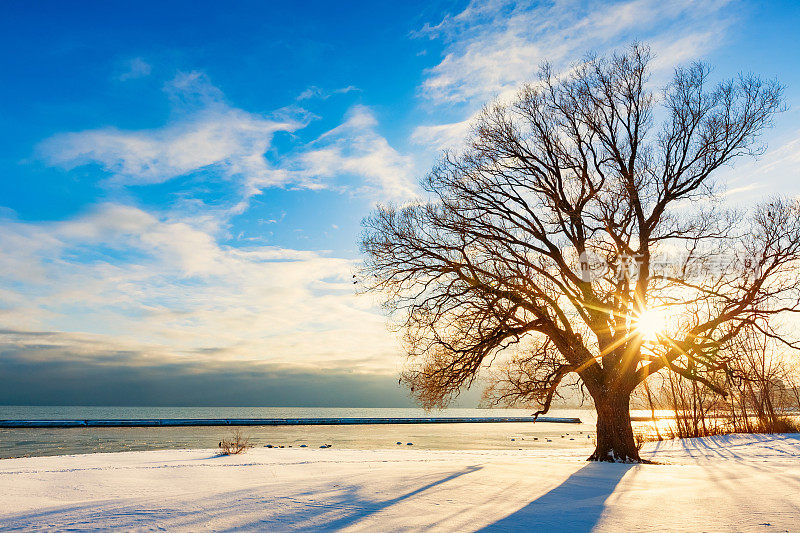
574	213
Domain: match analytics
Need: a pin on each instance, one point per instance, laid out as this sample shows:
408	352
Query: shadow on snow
576	505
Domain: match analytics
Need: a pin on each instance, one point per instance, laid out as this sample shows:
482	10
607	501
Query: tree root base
613	458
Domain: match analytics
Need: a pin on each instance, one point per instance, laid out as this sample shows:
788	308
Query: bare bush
235	444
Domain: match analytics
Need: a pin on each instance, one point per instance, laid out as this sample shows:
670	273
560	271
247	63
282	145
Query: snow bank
732	483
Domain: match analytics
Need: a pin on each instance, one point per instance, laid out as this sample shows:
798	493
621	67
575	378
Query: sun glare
650	323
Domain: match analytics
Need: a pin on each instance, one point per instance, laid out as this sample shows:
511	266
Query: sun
650	323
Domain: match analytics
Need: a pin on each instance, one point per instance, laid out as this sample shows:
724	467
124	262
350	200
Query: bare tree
545	236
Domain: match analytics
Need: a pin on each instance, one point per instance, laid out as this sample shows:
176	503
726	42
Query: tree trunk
615	442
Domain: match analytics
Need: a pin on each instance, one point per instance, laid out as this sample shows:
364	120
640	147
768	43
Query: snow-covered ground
733	483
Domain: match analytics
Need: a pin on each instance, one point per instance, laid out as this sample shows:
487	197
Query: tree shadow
575	505
250	509
361	508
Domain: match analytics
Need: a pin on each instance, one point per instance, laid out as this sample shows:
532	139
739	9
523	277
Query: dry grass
719	426
235	444
779	425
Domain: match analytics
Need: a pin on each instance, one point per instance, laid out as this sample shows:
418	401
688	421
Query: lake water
57	441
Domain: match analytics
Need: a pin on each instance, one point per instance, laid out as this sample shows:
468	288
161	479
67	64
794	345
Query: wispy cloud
136	68
355	148
785	158
442	136
208	134
494	46
776	172
322	94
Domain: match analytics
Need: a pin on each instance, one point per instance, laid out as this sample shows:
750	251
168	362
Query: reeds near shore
763	397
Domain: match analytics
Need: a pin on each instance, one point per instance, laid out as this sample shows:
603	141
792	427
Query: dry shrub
640	438
781	425
235	444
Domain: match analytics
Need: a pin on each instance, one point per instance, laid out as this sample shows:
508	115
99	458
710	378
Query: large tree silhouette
574	214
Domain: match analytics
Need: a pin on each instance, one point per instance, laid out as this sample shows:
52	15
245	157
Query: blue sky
182	182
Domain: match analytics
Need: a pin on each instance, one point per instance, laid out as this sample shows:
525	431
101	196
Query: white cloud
354	148
784	159
209	134
136	68
776	172
322	94
442	136
492	47
133	278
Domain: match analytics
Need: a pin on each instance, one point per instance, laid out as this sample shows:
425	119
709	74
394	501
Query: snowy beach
731	483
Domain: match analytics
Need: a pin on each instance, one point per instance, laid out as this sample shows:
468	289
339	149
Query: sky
182	183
